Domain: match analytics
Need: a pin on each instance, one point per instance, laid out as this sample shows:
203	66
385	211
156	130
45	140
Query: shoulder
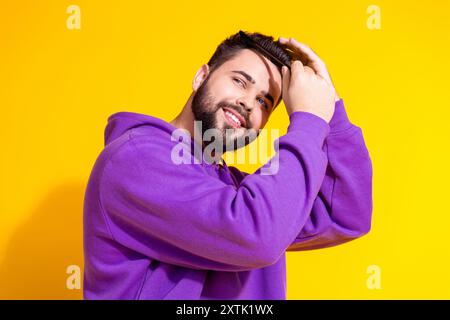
147	147
144	141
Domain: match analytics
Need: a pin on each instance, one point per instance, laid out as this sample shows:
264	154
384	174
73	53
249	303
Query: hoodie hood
121	122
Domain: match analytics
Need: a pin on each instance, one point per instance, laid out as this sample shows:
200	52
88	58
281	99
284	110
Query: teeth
232	116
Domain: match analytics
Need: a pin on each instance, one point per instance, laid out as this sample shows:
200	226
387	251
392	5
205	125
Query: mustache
237	109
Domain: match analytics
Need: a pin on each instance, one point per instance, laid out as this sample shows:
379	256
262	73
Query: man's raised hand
305	90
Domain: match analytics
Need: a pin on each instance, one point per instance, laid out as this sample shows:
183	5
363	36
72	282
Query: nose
242	101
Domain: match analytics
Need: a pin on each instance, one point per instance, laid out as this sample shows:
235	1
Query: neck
185	120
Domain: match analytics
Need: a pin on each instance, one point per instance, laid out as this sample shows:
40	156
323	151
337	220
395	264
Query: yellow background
58	86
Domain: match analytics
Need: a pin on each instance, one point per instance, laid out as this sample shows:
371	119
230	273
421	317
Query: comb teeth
260	48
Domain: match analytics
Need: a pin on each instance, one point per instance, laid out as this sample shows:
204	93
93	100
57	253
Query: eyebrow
267	95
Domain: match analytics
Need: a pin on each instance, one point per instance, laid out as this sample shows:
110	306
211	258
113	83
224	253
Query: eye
264	103
239	81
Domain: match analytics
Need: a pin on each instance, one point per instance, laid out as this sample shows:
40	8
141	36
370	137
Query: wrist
340	121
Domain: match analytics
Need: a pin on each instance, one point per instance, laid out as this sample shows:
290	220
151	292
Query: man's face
248	86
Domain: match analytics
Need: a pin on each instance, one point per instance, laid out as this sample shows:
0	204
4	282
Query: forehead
266	75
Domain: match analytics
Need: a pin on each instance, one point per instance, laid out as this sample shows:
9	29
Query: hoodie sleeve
181	215
342	210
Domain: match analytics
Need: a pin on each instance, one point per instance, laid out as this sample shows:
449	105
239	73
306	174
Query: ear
200	76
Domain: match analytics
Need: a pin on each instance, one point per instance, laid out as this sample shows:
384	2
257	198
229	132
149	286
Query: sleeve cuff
340	121
310	123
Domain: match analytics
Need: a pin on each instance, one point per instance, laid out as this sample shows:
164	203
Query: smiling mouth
232	119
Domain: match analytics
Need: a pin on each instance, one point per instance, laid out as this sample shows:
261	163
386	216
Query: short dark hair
231	46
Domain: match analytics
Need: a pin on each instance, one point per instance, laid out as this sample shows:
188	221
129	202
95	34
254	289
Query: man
155	229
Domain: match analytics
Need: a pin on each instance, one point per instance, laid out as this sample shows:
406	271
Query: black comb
261	49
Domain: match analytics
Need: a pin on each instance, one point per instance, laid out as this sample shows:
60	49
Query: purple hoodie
157	230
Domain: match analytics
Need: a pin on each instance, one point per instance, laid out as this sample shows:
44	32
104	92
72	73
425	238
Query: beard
207	113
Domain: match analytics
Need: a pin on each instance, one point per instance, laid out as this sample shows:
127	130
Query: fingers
289	76
297	69
309	70
305	49
293	52
296	66
286	79
309	57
